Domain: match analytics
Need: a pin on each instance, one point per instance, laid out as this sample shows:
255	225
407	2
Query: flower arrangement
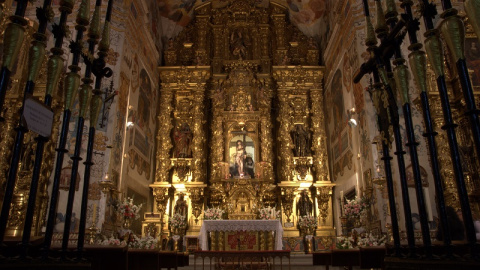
129	210
354	208
366	240
345	242
111	242
213	214
307	222
143	243
177	221
370	240
268	213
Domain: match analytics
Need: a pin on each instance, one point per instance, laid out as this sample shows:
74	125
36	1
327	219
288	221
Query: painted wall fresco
310	16
135	112
340	135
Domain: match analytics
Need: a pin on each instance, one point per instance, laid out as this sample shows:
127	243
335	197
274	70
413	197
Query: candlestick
94	216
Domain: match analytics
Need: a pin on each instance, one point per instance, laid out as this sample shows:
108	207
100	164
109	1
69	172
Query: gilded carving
220	168
286	144
288	195
319	141
164	142
324	194
198	163
197	198
161	198
228	108
7	137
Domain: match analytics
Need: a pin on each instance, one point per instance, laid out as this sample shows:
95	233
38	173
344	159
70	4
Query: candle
428	204
94	216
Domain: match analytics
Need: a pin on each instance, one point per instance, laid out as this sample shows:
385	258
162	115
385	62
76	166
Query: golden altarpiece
241	119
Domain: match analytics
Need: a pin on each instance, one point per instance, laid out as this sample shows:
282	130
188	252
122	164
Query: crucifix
243	164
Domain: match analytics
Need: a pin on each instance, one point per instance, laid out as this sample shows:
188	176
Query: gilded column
216	147
201	46
266	147
164	142
217	48
279	22
198	157
264	47
7	137
319	137
266	136
264	41
286	145
161	196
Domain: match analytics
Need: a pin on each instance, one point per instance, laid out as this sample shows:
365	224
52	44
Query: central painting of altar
242	156
240	122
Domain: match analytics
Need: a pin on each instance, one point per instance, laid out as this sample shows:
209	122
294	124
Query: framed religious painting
242	156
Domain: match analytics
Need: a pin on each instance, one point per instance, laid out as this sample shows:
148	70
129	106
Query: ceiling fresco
309	16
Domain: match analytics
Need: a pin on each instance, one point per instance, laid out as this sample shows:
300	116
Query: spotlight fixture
351	121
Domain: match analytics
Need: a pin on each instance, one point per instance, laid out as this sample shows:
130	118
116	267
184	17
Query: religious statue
301	139
218	97
312	44
170	45
285	60
237	45
181	206
304	205
183	137
240	156
28	156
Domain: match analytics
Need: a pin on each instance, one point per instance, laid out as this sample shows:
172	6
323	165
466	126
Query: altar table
241	225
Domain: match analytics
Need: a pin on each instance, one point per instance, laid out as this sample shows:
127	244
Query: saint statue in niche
183	137
237	45
304	205
242	157
301	139
181	206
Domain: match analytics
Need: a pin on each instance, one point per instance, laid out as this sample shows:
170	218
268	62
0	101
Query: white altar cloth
240	225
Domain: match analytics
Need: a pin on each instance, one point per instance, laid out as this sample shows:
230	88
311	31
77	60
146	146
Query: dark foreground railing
96	257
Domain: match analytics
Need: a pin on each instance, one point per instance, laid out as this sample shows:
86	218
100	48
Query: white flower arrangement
128	210
213	214
345	242
177	221
307	222
367	240
371	241
143	243
268	213
112	242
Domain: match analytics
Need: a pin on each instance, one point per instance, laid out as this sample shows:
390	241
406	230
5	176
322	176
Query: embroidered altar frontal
241	240
229	235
